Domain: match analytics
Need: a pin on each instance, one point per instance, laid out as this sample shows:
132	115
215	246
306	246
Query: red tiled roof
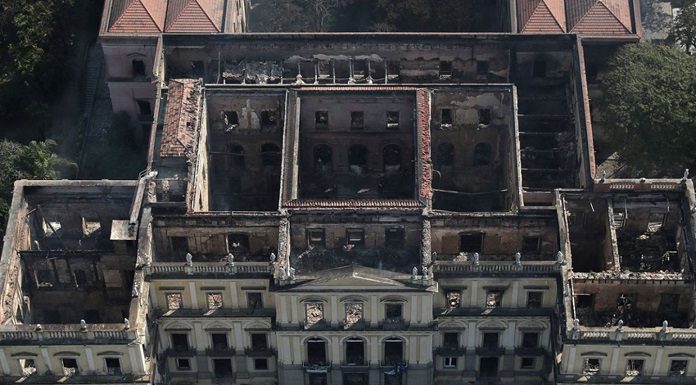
541	16
599	17
180	120
390	203
137	16
194	16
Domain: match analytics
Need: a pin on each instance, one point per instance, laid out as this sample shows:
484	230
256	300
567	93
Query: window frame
449	362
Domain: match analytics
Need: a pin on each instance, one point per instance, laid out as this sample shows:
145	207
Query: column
234	299
137	359
194	295
4	365
90	359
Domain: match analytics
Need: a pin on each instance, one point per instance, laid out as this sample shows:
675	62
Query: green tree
683	28
650	100
35	160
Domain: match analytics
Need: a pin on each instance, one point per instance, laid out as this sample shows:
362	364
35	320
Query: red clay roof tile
600	17
541	16
194	16
180	120
137	16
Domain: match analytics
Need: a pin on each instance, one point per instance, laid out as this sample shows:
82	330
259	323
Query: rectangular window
28	366
394	238
180	342
316	238
260	364
69	366
314	313
197	69
222	368
219	341
494	298
138	68
584	301
530	340
446	117
355	237
231	119
634	367
255	300
531	245
454	298
113	366
259	341
471	243
669	303
357	120
450	340
484	116
392	120
393	311
445	69
449	362
490	340
268	119
534	299
174	301
528	363
677	368
321	120
183	364
591	366
214	301
80	278
179	246
354	313
482	67
393	69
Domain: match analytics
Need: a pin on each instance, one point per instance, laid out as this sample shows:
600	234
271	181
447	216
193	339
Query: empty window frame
214	300
219	341
113	366
222	367
236	153
138	67
677	368
231	119
669	303
393	350
392	120
494	298
450	340
490	340
259	341
535	299
445	69
260	364
179	342
355	237
449	362
391	156
530	340
584	301
270	154
80	278
531	245
316	238
528	363
591	366
174	301
354	313
357	120
269	118
454	298
446	117
484	116
183	364
394	238
321	120
488	367
254	300
314	313
69	366
634	367
179	246
445	155
393	311
28	366
483	153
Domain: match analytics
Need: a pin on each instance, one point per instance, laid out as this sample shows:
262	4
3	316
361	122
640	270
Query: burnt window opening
391	157
471	243
530	339
238	244
314	313
80	278
528	363
51	317
445	69
393	311
259	341
669	303
69	366
316	351
316	238
357	156
591	366
355	351
231	119
394	238
254	300
28	366
482	67
113	366
174	301
236	152
260	364
270	154
357	120
634	367
449	362
180	342
531	245
450	340
321	120
222	367
219	341
494	298
214	301
269	118
482	154
534	299
360	68
144	108
393	69
183	364
454	298
445	155
539	68
392	120
93	316
677	368
591	71
138	68
355	237
490	340
584	301
484	116
488	367
323	158
179	246
393	351
197	69
446	117
353	313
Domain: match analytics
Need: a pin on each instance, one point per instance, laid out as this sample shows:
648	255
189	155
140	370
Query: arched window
316	351
445	154
391	155
355	351
236	152
323	158
270	154
393	350
482	154
357	155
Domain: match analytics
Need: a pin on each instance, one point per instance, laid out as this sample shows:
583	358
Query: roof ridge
117	15
555	18
601	2
587	11
207	12
148	5
526	22
617	17
147	11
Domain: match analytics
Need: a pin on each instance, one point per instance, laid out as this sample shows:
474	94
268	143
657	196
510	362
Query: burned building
352	209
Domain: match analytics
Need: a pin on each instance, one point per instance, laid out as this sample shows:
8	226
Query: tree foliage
650	97
683	29
35	160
